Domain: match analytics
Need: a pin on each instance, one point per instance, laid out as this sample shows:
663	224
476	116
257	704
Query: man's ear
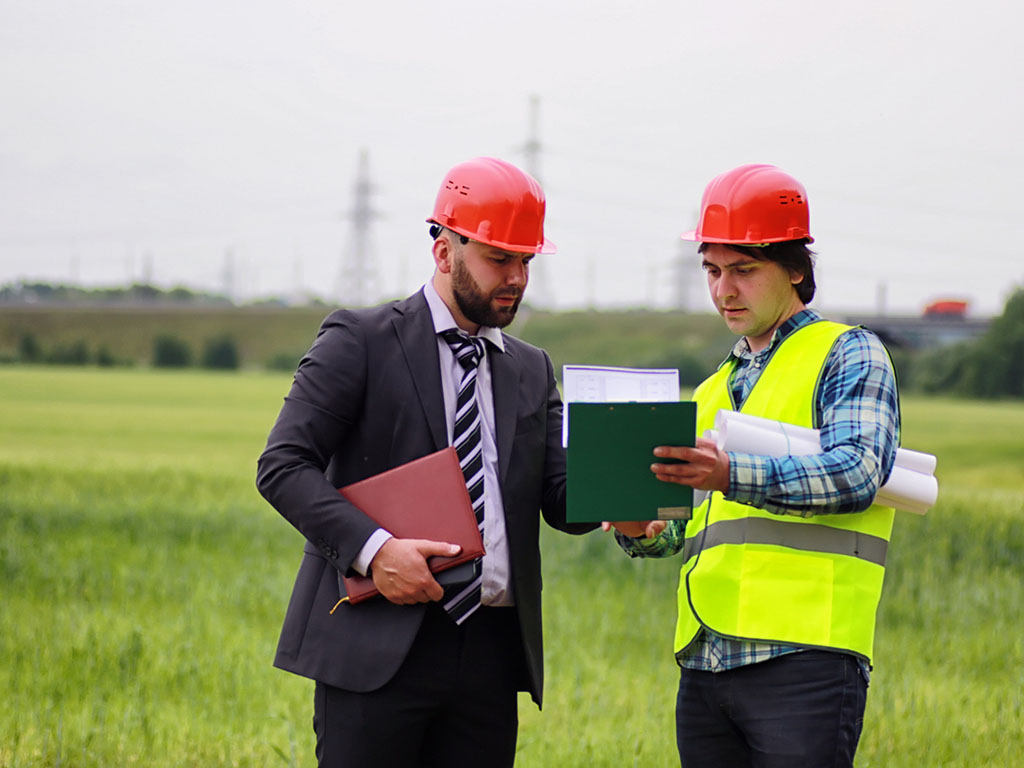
443	254
796	277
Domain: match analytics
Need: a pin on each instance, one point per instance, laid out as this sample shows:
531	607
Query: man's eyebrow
742	262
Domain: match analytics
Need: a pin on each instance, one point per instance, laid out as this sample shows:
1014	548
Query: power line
357	275
539	291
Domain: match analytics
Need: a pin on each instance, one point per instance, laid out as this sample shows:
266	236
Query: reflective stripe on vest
812	538
750	574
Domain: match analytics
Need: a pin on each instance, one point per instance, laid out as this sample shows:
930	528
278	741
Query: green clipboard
610	454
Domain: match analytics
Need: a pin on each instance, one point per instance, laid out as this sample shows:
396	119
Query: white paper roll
745	437
801	437
916	461
911	487
906	487
792	431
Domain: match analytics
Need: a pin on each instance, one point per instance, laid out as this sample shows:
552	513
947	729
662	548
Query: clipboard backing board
610	455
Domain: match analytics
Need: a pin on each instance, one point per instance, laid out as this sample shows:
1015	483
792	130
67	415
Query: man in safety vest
784	560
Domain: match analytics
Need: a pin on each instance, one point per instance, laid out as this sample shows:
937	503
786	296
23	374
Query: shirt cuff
640	546
361	564
748	478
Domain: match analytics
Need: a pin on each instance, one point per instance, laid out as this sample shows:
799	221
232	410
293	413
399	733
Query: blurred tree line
135	294
991	366
169	351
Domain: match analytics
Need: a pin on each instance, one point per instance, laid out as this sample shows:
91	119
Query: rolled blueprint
758	440
911	486
915	461
908	490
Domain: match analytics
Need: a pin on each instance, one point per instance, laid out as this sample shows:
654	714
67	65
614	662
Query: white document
603	384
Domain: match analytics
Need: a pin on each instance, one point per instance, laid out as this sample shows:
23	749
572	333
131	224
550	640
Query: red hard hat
751	205
493	202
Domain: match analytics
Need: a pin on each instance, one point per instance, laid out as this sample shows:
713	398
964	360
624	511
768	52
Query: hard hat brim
692	235
547	247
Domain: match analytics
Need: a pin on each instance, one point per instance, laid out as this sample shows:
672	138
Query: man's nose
517	274
724	287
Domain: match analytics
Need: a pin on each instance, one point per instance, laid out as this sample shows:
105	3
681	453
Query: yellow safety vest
749	574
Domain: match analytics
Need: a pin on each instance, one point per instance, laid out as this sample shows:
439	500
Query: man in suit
425	674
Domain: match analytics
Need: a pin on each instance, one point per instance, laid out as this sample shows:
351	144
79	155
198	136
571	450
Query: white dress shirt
497	584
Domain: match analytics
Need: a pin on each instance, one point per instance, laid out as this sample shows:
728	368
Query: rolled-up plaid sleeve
858	410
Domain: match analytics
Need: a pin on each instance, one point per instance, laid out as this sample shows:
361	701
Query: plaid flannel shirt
858	414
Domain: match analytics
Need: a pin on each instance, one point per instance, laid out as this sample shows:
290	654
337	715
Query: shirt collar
443	319
741	349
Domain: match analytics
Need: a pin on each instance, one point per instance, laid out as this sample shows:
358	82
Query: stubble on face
477	307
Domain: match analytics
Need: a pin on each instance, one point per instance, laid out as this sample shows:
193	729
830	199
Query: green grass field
143	580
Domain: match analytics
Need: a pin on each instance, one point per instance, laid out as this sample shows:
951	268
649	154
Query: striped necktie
461	600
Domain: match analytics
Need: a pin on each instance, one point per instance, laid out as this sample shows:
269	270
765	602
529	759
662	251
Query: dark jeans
451	703
800	710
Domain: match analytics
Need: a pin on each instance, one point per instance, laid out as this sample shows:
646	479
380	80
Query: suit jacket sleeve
317	417
553	498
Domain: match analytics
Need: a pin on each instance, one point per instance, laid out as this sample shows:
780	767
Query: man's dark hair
435	231
793	255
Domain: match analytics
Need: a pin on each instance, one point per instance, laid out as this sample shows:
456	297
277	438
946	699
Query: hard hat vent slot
462	189
786	199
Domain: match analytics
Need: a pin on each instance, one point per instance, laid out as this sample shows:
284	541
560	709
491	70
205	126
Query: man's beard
476	307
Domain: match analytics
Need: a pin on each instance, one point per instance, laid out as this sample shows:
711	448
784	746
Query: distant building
946	308
942	323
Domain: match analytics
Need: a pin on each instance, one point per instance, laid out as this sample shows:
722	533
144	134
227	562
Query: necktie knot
467	349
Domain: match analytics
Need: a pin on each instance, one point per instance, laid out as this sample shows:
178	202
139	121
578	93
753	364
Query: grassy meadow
143	581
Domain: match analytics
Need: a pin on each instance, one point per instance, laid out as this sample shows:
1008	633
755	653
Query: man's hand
646	529
704	467
400	571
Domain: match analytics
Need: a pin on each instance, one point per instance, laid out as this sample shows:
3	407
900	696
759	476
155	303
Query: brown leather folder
423	499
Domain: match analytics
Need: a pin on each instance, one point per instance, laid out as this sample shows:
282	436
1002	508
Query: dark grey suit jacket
367	397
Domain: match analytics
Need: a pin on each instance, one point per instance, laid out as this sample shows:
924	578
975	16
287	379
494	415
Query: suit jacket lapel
415	330
505	371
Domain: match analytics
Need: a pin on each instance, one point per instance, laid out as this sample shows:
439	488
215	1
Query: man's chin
737	323
503	313
504	316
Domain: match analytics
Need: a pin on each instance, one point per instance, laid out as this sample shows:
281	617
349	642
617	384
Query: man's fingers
429	548
705	466
434	591
629	528
670	469
680	452
654	528
401	573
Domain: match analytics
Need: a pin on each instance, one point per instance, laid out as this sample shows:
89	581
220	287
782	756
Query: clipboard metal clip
675	513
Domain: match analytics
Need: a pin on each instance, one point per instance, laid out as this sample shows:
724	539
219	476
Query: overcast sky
215	144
